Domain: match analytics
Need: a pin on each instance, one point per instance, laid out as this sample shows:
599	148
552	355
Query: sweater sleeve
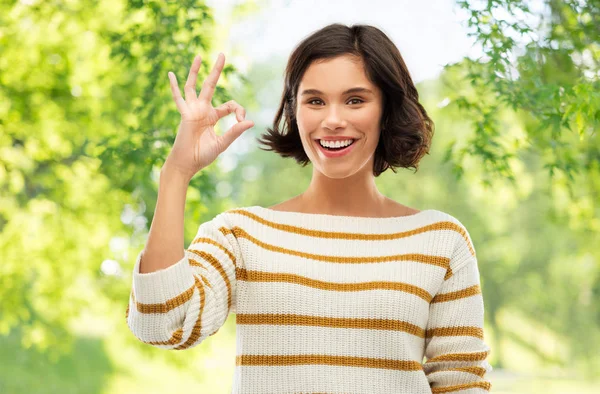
454	345
181	305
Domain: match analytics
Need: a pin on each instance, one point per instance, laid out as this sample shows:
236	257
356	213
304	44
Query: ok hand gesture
196	144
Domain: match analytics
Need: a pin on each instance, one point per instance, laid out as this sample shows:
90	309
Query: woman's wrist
173	173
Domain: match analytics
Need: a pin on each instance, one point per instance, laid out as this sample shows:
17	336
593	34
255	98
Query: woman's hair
406	129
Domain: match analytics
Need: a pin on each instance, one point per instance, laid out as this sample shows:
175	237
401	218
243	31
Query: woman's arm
454	346
179	297
165	240
189	299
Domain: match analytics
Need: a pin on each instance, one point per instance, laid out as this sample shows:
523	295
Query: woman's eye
319	102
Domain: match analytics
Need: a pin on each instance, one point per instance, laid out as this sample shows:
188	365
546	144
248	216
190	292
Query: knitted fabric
324	303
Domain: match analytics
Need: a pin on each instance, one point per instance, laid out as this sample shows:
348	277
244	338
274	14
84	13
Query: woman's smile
335	152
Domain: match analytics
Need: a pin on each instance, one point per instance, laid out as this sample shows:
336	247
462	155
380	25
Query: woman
339	289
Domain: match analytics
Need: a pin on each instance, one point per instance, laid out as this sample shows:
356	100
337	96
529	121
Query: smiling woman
340	289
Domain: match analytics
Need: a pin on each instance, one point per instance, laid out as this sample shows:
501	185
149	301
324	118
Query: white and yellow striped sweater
326	304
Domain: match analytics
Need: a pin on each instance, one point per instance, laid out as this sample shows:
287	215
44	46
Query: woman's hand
196	144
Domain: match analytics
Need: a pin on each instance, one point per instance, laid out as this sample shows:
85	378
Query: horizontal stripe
455	295
437	226
439	261
455	331
479	371
441	225
450	389
257	276
325	359
166	306
362	323
336	322
477	356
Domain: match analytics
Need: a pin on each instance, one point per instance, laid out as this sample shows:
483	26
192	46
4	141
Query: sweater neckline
292	215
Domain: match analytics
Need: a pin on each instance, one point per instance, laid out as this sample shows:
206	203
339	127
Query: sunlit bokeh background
87	119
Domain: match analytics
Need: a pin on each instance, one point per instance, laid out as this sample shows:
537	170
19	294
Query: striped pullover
326	303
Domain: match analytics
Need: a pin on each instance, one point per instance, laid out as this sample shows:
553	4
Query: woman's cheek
307	120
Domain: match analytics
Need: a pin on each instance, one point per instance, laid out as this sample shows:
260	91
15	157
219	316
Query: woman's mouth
335	152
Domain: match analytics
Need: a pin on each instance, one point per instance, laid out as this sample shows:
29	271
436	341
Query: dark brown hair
406	129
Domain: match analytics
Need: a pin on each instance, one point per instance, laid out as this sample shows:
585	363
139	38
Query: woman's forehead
335	75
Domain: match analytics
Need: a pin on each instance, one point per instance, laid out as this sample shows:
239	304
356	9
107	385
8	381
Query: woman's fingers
207	92
179	101
229	107
190	84
210	83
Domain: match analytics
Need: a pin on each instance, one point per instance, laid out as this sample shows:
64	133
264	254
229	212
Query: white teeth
335	144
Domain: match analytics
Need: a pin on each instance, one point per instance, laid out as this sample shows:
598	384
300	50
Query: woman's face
336	99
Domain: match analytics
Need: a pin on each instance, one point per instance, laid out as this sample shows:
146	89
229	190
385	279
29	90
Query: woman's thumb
234	132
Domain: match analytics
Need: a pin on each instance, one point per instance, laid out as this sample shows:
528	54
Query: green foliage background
86	120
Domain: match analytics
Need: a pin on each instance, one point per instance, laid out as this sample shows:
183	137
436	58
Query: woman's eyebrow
352	90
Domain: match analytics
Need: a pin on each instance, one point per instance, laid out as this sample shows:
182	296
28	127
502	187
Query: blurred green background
87	118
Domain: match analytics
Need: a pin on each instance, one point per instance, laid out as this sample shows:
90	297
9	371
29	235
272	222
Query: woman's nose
334	118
